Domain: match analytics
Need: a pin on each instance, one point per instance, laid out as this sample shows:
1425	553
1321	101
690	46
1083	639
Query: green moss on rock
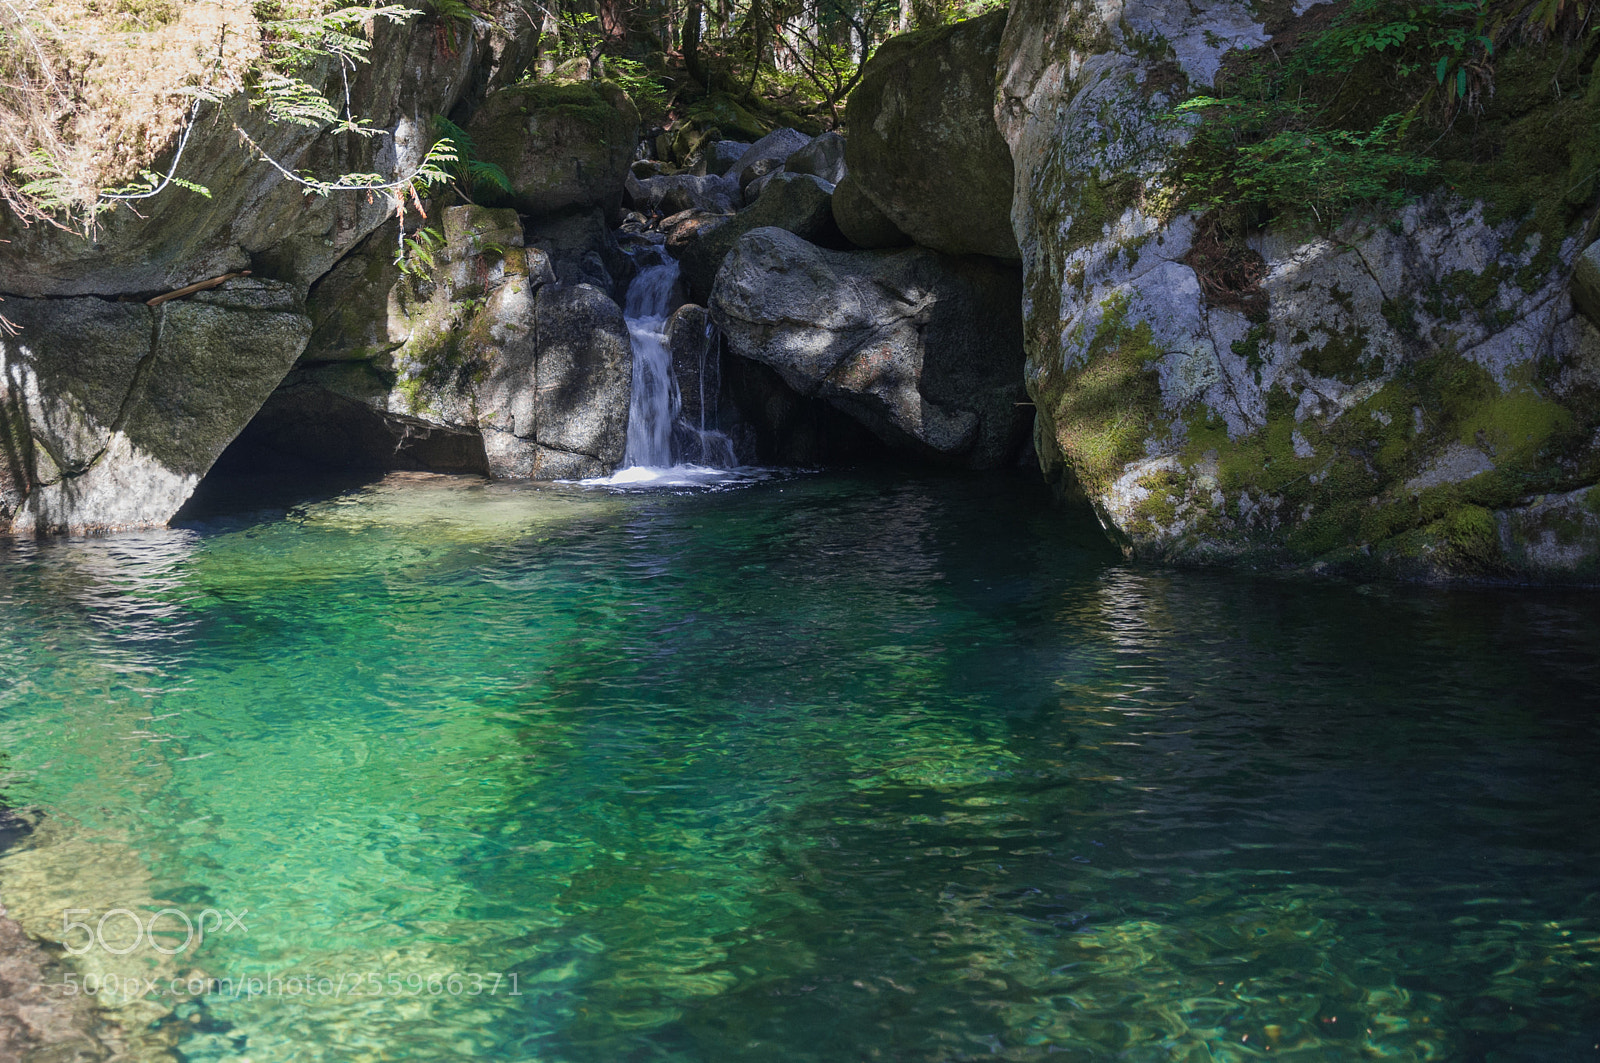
561	145
1106	405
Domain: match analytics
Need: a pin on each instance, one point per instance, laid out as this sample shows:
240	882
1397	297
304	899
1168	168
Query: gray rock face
767	155
344	304
562	146
798	203
823	157
582	249
671	194
923	146
491	364
694	358
921	348
113	411
585	374
1377	407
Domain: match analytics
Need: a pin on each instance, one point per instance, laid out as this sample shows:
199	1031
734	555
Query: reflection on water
822	768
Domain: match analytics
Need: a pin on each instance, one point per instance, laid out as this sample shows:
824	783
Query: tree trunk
549	43
691	43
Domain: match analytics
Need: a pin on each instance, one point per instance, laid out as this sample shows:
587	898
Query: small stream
817	768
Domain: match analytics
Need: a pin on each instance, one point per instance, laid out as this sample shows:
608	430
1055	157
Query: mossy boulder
923	146
1586	284
1410	395
706	123
561	145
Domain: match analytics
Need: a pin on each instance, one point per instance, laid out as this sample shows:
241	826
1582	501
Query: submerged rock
923	146
919	347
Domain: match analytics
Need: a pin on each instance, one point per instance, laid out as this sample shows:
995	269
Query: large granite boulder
798	203
1410	394
922	348
114	411
562	146
490	364
558	378
924	148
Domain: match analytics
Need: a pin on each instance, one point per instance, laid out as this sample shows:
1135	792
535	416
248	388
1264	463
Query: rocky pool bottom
829	767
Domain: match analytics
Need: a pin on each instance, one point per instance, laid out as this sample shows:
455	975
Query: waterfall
659	438
655	402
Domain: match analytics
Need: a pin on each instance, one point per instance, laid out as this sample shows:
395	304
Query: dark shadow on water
233	500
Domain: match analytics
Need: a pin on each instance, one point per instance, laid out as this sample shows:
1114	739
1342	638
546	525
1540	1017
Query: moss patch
1348	501
1104	407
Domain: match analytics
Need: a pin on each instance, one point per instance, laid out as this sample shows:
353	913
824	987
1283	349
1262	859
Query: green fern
468	169
418	254
481	173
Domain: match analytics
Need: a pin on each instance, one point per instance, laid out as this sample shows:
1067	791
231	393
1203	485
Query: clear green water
825	768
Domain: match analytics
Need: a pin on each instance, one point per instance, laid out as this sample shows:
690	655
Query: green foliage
150	181
1351	114
1273	154
297	43
295	46
48	188
637	80
418	253
467	169
452	9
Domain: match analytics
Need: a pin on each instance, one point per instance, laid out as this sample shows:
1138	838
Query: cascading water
660	441
655	402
